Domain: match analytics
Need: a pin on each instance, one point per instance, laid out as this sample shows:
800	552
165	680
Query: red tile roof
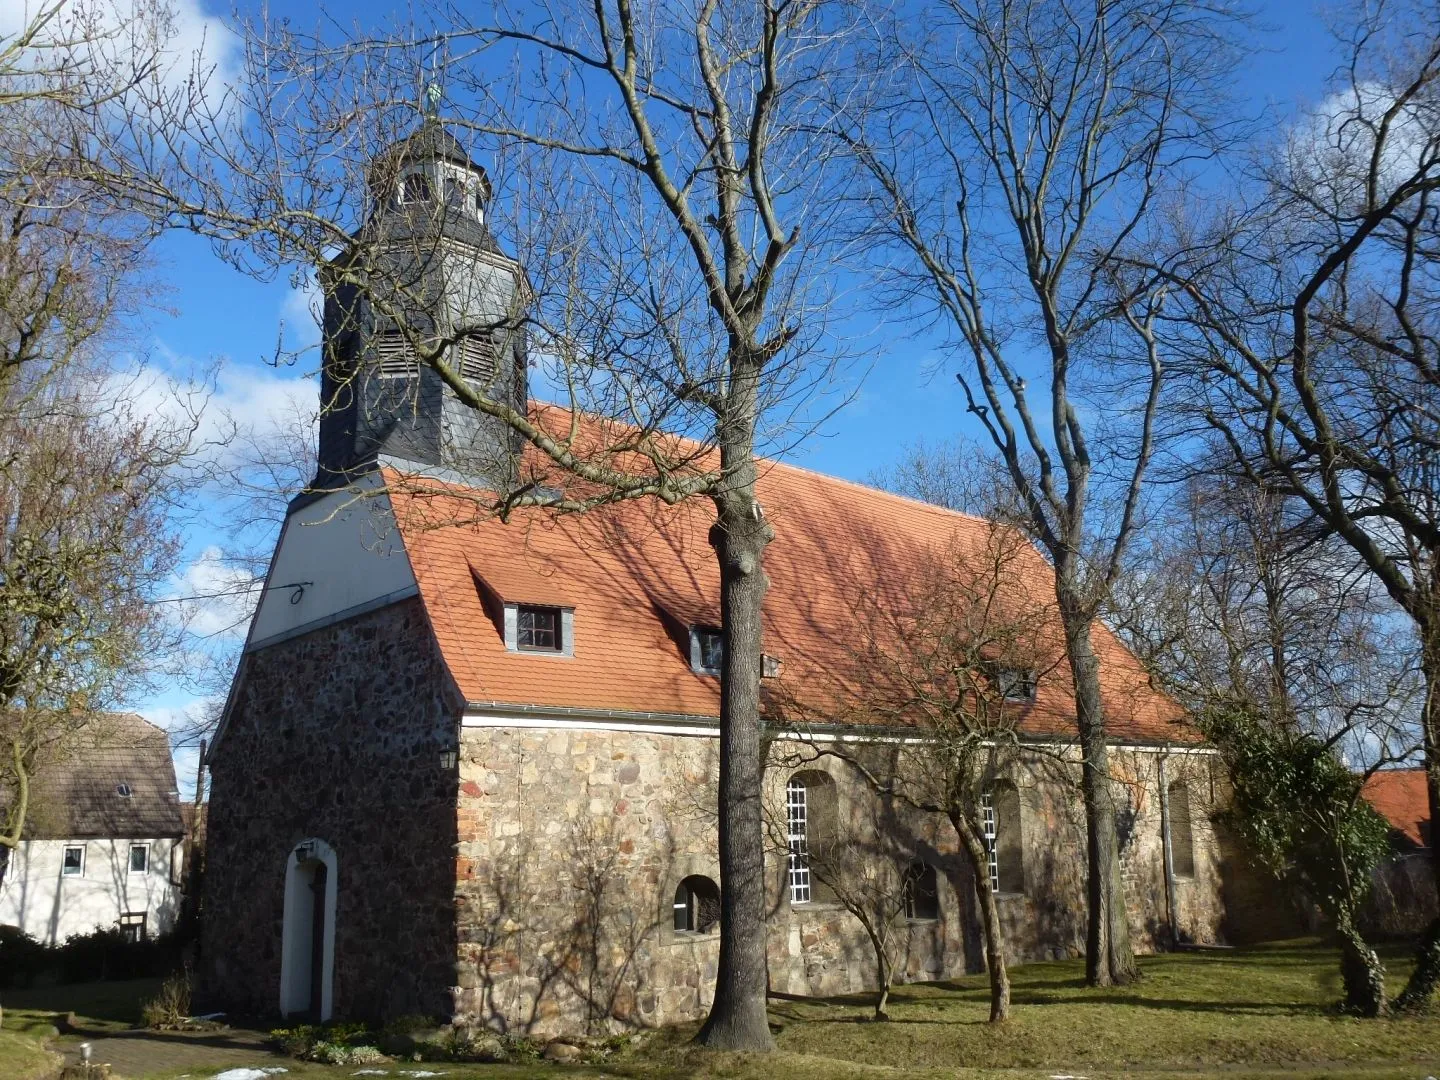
639	574
1402	799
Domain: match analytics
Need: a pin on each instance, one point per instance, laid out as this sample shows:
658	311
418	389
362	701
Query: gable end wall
337	735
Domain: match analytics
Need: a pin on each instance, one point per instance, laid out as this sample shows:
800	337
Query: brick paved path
139	1053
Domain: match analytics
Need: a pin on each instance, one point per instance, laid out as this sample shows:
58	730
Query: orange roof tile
1401	798
639	574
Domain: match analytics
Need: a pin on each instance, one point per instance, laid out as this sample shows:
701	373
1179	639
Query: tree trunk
1425	977
738	1020
1109	959
1360	970
974	847
882	972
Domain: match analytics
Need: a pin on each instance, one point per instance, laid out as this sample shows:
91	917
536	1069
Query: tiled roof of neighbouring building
80	794
639	574
1401	798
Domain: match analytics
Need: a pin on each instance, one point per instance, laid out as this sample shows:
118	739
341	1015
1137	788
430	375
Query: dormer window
707	650
415	188
538	629
1015	684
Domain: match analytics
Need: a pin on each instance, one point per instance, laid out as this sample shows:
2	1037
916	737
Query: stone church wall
337	735
572	843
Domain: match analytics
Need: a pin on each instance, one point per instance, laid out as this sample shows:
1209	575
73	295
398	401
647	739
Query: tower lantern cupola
422	282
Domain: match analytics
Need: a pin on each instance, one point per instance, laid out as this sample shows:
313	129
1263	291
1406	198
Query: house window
538	629
922	892
416	188
1182	835
139	858
1015	684
707	650
132	927
810	826
697	906
1000	821
73	864
797	807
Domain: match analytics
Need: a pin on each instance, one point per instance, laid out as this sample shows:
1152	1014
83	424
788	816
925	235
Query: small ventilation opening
477	358
394	356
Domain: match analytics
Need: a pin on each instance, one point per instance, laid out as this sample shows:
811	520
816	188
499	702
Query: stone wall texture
530	885
572	844
337	735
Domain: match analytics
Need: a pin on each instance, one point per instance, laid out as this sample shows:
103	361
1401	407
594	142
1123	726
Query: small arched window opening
810	826
697	906
922	892
1182	835
415	188
1000	816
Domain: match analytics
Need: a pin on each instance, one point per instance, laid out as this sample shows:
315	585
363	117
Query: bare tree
88	479
1284	650
1309	317
872	879
955	657
1031	143
660	175
86	544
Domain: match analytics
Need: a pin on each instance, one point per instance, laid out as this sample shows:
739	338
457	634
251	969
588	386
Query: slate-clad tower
424	259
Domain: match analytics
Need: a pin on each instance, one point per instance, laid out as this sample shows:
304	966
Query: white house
103	841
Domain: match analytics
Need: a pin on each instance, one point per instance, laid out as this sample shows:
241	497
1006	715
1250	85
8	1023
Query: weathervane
430	99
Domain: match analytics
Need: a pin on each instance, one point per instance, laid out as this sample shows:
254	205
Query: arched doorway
307	947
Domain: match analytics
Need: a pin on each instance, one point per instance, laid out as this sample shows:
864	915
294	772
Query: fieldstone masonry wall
572	843
531	887
337	735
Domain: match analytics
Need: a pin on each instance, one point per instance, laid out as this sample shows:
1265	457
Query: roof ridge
885	492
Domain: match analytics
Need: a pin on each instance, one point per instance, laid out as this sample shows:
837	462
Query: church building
468	767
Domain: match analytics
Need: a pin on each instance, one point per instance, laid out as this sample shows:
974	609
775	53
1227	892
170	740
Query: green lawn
1263	1012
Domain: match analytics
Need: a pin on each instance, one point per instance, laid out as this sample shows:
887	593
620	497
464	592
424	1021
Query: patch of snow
371	1072
250	1074
419	1072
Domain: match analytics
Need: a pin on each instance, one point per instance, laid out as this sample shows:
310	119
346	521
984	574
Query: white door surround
308	861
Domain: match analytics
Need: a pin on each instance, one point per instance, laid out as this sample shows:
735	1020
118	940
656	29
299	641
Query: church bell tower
423	272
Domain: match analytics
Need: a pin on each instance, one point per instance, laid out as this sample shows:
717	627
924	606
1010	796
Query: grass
1265	1013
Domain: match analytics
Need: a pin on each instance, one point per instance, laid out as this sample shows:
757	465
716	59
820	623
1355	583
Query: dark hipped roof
78	795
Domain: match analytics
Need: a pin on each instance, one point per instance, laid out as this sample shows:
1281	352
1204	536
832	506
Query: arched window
415	188
1182	836
922	892
810	811
697	906
1000	815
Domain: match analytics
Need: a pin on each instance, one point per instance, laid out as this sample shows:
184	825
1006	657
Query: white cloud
214	597
1332	147
301	313
112	35
228	408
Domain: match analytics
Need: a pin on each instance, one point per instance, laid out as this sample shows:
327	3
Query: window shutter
394	357
477	358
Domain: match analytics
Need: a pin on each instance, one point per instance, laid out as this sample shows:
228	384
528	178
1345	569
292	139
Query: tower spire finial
430	98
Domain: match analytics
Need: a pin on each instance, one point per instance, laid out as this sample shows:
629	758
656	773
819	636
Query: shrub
21	957
168	1009
330	1044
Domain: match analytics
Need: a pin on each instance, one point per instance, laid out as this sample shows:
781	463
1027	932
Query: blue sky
217	318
